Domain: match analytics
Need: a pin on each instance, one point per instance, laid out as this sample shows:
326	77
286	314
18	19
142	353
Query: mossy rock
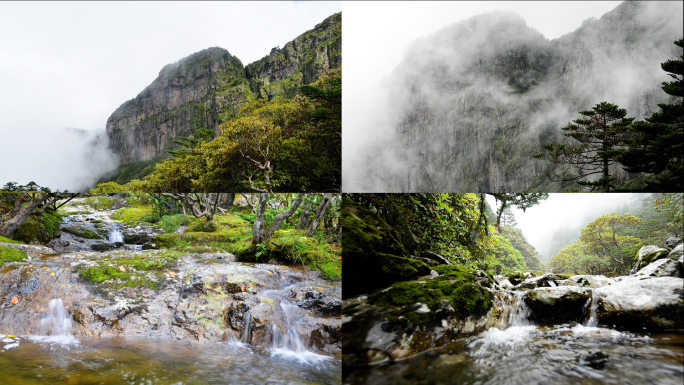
516	277
81	232
11	254
456	285
39	228
372	252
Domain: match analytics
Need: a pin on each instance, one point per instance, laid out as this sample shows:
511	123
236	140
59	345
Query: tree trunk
284	215
7	230
319	213
305	213
258	226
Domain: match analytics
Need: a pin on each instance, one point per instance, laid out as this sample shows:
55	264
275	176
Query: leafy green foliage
598	139
658	144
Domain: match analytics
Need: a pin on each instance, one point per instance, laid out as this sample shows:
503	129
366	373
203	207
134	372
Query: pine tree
605	130
658	144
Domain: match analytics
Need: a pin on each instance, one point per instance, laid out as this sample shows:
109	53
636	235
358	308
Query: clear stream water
528	354
57	357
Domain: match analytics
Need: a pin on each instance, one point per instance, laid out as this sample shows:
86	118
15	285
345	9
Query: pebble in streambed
10	341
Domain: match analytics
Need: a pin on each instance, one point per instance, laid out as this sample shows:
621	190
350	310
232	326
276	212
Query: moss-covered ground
116	270
7	240
131	214
232	233
10	254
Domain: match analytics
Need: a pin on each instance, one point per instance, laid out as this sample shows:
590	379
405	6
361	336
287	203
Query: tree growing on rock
604	131
31	203
658	142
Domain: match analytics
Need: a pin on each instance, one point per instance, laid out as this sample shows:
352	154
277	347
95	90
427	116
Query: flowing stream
524	353
55	342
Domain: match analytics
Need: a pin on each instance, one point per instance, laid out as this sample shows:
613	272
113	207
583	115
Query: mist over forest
69	159
470	104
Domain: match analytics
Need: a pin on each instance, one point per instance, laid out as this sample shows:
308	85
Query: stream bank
120	288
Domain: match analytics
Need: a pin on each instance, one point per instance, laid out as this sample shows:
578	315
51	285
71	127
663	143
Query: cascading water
56	326
592	321
115	235
247	334
519	313
288	344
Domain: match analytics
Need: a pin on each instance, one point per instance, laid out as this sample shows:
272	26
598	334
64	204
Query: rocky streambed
196	311
466	327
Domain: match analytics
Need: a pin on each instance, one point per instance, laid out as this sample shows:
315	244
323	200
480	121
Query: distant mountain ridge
471	103
205	89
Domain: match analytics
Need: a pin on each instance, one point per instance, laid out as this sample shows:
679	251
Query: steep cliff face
473	102
206	88
300	61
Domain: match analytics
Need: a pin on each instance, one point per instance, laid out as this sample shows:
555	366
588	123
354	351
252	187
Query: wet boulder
503	282
673	242
647	255
555	305
546	280
661	268
638	303
518	276
592	281
323	301
676	253
105	246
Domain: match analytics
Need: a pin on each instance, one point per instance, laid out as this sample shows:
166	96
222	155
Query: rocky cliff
474	101
206	88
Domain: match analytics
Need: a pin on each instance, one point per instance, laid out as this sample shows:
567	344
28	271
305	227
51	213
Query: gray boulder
676	253
646	302
546	280
557	304
592	281
664	267
503	282
646	255
673	242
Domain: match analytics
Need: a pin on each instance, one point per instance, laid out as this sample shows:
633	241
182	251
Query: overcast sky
376	35
71	64
538	223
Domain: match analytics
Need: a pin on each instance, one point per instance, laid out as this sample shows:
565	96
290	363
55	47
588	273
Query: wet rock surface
557	305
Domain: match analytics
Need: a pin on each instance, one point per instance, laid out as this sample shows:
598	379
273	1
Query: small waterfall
592	321
56	326
247	333
289	345
115	235
57	322
515	310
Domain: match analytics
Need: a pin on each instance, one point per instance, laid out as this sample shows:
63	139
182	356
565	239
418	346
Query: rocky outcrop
638	303
206	88
300	61
470	104
557	305
647	255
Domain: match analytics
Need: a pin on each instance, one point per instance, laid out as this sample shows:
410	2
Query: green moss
39	228
351	309
100	202
10	254
7	240
131	214
81	232
457	285
135	273
516	277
